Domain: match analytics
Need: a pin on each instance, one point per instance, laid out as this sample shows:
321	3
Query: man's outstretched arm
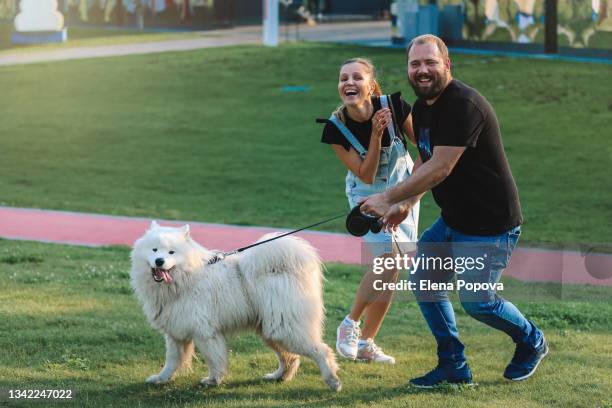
429	175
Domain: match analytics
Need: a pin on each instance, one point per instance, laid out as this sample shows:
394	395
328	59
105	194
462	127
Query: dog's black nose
159	261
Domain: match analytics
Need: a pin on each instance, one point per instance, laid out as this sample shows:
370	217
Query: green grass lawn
209	135
91	36
68	319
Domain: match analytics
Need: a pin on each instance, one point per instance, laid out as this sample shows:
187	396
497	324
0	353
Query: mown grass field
68	319
210	136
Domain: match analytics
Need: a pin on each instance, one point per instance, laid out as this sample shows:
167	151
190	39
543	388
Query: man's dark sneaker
526	360
444	373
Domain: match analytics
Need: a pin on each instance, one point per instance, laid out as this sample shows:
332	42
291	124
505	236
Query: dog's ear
153	225
185	230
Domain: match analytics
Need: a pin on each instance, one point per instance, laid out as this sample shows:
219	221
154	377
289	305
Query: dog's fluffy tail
285	279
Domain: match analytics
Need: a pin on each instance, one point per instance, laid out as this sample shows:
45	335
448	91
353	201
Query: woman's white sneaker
347	338
368	351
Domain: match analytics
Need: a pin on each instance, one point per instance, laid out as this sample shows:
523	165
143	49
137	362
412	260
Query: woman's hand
380	121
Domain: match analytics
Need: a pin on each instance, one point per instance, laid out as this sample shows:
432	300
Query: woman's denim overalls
394	166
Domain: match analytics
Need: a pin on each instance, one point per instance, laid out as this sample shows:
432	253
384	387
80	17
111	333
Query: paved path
377	31
96	230
120	50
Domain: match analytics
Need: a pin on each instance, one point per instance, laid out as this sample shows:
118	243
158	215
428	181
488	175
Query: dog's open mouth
162	275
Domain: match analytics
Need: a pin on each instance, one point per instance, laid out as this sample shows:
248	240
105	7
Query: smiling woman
369	118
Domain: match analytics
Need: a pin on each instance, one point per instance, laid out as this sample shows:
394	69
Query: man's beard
438	82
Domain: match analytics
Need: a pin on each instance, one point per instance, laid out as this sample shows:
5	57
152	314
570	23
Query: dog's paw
334	383
156	379
210	382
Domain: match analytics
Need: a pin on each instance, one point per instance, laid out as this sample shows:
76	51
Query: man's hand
394	217
376	204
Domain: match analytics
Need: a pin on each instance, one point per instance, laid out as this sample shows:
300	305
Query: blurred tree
119	12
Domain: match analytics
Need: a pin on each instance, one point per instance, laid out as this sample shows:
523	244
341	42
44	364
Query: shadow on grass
245	392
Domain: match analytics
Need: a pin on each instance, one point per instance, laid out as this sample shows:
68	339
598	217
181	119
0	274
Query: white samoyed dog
274	289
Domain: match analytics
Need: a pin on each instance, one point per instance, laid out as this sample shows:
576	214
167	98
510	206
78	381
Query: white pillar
270	23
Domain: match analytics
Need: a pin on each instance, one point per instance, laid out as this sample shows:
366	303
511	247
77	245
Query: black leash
222	255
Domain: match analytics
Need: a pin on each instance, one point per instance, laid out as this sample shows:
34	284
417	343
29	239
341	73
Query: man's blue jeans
441	241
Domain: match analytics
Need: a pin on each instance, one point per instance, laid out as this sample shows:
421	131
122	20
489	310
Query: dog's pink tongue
167	277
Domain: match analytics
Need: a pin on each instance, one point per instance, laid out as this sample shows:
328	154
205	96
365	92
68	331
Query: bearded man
462	160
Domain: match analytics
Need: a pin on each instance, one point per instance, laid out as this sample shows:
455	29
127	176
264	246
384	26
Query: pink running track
98	230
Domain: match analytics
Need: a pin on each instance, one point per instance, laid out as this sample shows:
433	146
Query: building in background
508	24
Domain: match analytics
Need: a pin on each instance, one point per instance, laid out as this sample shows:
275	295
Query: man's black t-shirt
479	197
363	130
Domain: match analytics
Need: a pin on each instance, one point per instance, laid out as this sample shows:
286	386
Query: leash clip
220	256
